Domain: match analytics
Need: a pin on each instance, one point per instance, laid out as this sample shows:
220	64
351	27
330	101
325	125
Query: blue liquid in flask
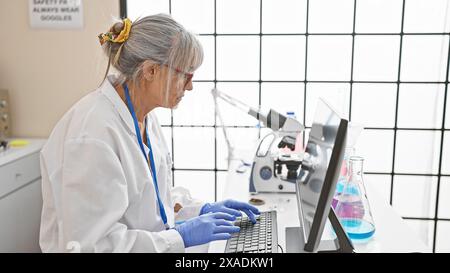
358	230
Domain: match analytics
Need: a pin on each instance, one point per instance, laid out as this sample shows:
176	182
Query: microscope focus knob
265	173
280	187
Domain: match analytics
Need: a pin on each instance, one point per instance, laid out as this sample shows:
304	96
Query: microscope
276	161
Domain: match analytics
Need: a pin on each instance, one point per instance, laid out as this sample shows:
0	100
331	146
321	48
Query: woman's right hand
206	228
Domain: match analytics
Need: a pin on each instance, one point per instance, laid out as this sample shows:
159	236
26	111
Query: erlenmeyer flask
353	209
343	175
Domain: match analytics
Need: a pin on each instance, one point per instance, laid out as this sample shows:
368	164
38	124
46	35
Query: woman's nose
189	86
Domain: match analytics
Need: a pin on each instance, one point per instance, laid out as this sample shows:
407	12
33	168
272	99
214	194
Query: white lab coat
98	194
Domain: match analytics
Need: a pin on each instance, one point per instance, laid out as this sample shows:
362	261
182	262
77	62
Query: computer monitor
318	176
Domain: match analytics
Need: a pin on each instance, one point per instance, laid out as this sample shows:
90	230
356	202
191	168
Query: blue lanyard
150	154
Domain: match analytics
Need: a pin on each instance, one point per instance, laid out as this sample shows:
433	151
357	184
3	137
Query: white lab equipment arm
272	119
94	200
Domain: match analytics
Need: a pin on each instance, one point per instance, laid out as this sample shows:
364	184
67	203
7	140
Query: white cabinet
20	198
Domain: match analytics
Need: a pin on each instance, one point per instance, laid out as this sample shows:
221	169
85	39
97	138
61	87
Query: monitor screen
319	172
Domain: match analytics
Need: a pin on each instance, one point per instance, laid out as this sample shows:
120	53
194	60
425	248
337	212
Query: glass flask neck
356	167
349	151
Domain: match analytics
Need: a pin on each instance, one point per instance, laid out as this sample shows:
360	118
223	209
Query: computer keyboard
255	238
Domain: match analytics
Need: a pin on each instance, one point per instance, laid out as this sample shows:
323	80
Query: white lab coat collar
110	92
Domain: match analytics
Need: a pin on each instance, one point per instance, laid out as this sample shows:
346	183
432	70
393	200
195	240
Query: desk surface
392	233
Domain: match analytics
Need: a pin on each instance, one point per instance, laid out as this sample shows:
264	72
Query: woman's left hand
232	207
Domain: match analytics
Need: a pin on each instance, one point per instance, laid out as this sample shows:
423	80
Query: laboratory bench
392	233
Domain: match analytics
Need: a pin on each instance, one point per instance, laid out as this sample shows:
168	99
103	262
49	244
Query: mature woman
106	170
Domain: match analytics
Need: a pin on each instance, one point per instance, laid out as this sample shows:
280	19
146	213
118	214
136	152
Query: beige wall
47	71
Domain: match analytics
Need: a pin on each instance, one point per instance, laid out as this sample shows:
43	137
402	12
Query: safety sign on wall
56	14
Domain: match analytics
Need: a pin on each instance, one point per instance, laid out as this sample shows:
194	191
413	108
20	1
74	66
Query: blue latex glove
232	207
206	228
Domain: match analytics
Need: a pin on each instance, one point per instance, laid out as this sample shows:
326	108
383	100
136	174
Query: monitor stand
295	243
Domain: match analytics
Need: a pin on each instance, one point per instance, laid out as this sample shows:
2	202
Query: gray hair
157	38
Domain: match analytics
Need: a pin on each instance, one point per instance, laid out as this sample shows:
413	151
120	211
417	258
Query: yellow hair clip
122	37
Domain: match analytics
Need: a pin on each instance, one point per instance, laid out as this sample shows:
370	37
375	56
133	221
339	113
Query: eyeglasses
188	76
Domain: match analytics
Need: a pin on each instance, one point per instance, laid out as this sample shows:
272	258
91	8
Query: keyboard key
240	248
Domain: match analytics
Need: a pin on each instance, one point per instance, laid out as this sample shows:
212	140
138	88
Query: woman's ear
149	70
